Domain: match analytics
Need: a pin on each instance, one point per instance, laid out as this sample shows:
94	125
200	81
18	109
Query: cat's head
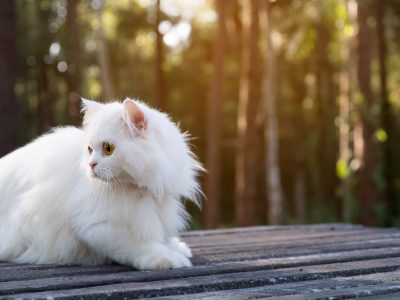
130	143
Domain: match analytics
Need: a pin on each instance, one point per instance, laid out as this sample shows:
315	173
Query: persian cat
109	191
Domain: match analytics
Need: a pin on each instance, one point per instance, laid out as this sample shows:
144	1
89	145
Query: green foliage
342	169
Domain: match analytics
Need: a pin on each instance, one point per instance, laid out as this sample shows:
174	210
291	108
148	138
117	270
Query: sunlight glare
54	49
178	34
181	8
164	27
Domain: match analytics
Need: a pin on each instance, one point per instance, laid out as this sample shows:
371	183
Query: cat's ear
89	106
133	115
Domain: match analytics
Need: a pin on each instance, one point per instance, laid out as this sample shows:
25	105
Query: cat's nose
92	165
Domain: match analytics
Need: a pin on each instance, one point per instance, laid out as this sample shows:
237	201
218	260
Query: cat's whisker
102	192
110	202
126	215
115	190
98	198
109	191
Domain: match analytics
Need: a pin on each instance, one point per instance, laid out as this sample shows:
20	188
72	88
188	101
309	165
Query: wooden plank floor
333	261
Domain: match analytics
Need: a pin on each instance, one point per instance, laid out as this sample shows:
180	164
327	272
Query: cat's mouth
100	176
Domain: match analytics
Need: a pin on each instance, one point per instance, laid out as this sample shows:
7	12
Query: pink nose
93	165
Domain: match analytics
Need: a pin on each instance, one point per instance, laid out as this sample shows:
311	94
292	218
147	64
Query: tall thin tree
346	81
45	109
327	111
8	106
386	110
159	60
298	153
369	193
273	177
74	77
249	93
102	53
213	163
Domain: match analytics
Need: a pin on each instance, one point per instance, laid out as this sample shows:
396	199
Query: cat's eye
108	148
90	149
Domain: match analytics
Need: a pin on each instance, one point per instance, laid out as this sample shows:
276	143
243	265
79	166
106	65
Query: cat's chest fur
115	204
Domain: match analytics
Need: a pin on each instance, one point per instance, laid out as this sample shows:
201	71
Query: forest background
294	105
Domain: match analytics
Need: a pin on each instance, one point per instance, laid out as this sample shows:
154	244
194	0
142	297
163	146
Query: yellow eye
108	148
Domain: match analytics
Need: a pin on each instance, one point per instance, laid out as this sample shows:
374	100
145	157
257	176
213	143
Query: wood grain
333	261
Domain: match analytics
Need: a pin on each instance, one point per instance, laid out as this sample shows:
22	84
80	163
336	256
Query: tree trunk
159	61
45	103
102	55
45	111
273	177
74	77
299	195
386	111
246	154
213	161
299	152
241	215
8	106
345	154
327	112
369	194
345	127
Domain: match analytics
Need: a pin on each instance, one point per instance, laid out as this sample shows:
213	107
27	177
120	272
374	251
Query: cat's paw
162	260
180	246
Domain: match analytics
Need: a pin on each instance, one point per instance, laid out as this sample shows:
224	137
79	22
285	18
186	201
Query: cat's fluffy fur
55	209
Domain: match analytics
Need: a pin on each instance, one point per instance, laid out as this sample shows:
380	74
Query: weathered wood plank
282	236
189	285
346	287
284	262
45	271
275	236
55	283
263	244
281	228
381	291
287	252
391	296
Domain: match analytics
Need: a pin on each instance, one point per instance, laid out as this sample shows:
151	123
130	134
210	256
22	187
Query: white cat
109	191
